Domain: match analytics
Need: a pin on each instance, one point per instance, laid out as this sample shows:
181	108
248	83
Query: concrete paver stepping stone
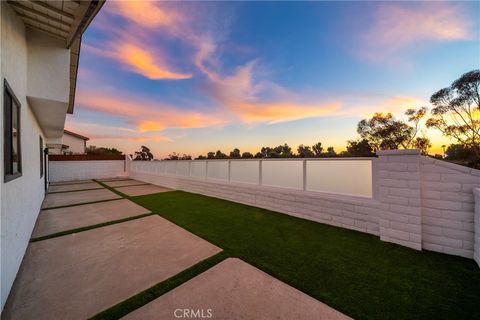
124	183
142	190
232	290
62	219
77	197
74	187
69	182
79	275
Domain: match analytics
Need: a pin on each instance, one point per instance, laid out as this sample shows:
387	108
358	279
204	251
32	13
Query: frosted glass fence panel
283	173
217	170
351	177
198	169
160	166
245	171
151	167
183	168
171	167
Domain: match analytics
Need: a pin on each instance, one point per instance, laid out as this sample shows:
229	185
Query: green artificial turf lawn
355	273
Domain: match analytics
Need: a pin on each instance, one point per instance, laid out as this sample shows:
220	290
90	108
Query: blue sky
194	77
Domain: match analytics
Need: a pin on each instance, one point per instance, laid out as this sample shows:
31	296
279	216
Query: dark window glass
12	152
41	157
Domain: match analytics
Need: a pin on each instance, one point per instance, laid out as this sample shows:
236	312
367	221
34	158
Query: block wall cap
398	152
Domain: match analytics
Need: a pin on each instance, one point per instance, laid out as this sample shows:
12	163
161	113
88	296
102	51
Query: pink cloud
397	27
97	131
146	115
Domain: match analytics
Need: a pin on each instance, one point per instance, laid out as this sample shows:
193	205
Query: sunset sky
194	77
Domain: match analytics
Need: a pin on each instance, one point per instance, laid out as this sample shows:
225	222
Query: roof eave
74	43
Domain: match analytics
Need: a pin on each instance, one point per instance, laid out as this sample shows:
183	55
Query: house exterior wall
75	145
417	202
48	66
83	170
21	198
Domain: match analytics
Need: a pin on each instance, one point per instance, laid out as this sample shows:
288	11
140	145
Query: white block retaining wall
476	251
418	202
343	211
83	170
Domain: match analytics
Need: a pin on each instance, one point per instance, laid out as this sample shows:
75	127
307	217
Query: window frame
7	133
40	142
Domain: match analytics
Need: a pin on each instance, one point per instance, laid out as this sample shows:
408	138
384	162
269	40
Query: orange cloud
150	138
104	132
397	27
146	115
277	112
145	13
141	61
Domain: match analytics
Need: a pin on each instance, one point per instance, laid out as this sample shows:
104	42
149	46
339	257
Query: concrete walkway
233	290
80	274
68	218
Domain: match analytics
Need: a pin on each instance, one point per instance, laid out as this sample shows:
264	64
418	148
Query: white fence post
260	174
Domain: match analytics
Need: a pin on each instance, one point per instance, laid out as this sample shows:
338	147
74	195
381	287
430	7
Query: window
12	153
41	157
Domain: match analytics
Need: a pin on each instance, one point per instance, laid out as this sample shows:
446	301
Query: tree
284	151
220	155
259	155
414	117
270	152
102	151
383	131
422	143
173	156
247	155
458	152
144	154
201	157
331	152
211	155
456	111
359	148
304	151
317	149
235	154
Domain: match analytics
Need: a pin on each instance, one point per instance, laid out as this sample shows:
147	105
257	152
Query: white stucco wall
82	170
48	67
22	197
75	144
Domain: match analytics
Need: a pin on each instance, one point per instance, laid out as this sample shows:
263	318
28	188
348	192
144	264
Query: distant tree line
102	151
359	148
455	113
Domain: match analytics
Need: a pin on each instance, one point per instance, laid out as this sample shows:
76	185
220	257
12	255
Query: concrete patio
122	250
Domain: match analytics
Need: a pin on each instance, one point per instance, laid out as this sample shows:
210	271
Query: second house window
12	153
